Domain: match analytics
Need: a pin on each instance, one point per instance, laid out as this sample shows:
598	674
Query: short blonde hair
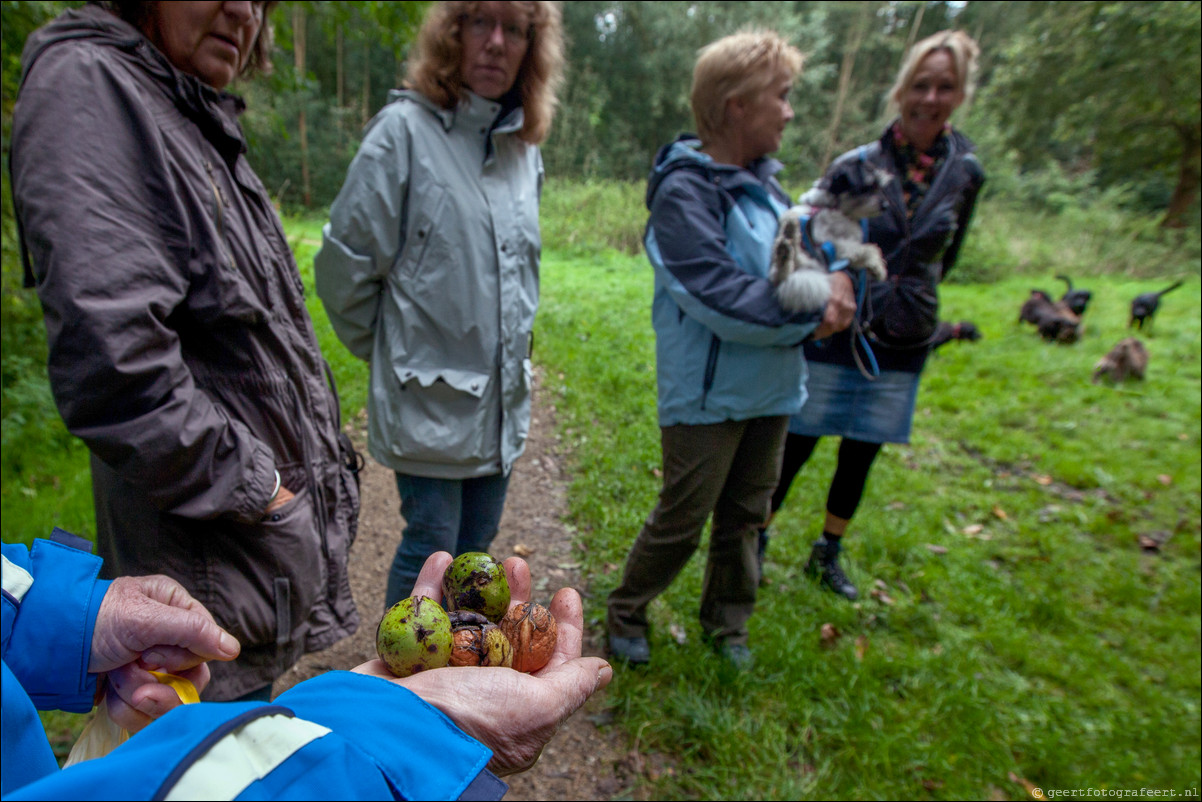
737	66
959	45
436	69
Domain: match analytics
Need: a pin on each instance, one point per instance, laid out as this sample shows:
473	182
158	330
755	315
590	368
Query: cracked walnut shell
477	641
532	631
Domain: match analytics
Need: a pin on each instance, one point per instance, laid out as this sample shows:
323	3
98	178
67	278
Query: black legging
851	472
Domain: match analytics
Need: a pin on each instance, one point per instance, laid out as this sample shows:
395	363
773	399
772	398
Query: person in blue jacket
730	367
363	734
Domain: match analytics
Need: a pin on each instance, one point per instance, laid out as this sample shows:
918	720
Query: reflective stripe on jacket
337	736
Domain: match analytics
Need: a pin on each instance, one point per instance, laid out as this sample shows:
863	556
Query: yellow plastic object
101	735
183	688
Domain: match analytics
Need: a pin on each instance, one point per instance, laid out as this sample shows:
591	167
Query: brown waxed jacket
181	351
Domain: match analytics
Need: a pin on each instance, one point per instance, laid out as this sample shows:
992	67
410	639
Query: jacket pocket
271	573
423	229
443	415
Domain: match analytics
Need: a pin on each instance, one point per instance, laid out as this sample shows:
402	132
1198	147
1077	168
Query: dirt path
587	759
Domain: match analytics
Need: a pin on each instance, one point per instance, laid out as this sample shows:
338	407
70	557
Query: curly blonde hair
435	70
963	51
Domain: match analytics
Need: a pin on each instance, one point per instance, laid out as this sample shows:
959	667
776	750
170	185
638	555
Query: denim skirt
844	403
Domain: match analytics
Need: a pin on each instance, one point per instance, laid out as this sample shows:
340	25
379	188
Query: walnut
478	641
532	631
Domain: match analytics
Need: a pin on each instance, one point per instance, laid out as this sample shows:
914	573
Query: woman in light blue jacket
729	364
429	268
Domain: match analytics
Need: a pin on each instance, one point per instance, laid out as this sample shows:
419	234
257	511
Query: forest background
1088	119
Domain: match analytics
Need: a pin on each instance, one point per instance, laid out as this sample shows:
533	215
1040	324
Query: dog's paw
874	263
804	291
784	257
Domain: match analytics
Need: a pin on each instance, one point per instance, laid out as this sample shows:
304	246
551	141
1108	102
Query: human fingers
281	498
429	580
135	697
139	614
124	716
568	611
517	572
840	308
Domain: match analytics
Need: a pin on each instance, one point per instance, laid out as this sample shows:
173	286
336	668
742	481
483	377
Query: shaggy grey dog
829	212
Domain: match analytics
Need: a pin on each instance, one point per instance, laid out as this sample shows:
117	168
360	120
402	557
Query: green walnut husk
414	635
476	581
478	641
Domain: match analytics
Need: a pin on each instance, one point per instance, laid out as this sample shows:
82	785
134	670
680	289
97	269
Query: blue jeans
455	515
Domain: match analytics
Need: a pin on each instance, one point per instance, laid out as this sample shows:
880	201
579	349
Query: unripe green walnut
476	581
414	635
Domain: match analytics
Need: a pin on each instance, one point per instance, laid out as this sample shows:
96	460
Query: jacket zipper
220	201
711	367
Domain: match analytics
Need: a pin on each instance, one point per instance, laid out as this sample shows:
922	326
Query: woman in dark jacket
920	234
180	349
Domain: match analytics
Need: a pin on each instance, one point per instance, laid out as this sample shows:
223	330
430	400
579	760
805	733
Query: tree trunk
1189	168
341	75
922	9
365	108
849	63
298	51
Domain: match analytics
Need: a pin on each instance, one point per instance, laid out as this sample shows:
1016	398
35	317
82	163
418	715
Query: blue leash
860	281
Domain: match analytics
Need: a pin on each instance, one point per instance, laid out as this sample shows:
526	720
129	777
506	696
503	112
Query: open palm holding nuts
478	623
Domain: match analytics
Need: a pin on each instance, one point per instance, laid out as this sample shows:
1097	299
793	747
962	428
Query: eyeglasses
480	26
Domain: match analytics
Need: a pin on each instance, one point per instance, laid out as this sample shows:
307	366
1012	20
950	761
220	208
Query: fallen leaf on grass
881	596
861	647
1000	514
1153	540
974	529
1044	480
829	635
936	549
1165	479
678	634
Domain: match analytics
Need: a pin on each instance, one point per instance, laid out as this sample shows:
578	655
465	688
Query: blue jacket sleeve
51	598
47	636
337	736
686	242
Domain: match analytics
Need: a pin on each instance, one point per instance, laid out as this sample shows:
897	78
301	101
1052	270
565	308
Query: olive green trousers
729	470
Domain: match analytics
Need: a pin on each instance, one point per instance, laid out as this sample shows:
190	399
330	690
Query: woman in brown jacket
181	351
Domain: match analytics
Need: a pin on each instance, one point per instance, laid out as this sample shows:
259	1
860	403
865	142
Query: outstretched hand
512	713
150	623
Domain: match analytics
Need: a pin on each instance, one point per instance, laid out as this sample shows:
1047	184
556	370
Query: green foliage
1012	629
1113	85
585	216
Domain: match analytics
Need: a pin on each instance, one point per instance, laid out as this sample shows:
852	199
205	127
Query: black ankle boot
824	563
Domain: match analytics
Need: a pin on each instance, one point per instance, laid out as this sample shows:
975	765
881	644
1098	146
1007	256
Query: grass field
1012	633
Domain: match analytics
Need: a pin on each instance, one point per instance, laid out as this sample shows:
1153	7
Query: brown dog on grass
1127	360
1055	321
